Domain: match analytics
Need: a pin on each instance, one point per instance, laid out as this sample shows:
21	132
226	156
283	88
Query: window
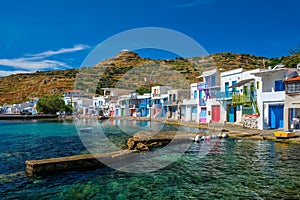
174	97
257	85
245	90
279	85
213	80
252	87
291	87
194	109
195	94
297	87
233	83
226	86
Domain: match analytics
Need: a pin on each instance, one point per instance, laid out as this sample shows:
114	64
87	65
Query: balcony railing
224	95
239	99
143	105
171	103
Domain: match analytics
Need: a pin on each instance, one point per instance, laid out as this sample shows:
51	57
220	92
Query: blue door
147	112
231	114
276	116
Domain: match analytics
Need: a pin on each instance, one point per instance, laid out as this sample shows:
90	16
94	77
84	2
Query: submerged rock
130	144
142	147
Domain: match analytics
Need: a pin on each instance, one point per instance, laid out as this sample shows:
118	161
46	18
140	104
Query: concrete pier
15	116
141	141
73	163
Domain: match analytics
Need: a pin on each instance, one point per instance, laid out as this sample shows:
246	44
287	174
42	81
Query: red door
215	110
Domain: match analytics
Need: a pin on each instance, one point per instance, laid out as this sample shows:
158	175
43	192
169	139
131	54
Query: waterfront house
144	102
111	96
238	94
189	107
124	105
270	91
208	106
74	97
224	95
98	102
175	98
159	97
292	103
244	96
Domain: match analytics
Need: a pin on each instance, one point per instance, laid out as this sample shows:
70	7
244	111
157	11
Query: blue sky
59	34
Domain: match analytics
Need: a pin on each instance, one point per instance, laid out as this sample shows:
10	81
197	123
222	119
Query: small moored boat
285	134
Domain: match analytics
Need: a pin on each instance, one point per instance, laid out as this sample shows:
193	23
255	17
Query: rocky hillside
130	71
21	87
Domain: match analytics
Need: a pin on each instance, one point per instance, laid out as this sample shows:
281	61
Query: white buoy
214	136
203	138
219	135
197	138
224	135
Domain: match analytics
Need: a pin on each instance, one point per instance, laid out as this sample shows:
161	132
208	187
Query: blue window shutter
279	85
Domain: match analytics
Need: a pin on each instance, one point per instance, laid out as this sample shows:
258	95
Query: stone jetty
17	116
141	141
73	163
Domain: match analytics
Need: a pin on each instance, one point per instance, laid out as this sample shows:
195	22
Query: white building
271	97
159	96
189	107
210	108
98	102
224	96
175	98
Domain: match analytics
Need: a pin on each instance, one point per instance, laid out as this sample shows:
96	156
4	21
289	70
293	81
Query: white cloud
33	64
36	62
7	73
78	47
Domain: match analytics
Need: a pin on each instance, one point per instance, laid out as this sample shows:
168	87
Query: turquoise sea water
233	169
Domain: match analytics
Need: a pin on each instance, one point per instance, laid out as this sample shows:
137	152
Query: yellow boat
284	134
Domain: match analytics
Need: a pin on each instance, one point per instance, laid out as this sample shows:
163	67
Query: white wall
266	95
229	76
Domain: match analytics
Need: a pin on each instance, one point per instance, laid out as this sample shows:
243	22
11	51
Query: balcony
143	105
224	95
171	103
241	99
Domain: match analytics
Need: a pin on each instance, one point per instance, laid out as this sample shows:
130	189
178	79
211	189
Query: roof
270	71
243	82
292	79
161	96
208	73
145	96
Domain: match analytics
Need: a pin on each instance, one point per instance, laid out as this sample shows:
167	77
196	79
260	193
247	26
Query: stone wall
250	122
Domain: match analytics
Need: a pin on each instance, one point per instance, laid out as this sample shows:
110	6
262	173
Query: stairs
254	105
